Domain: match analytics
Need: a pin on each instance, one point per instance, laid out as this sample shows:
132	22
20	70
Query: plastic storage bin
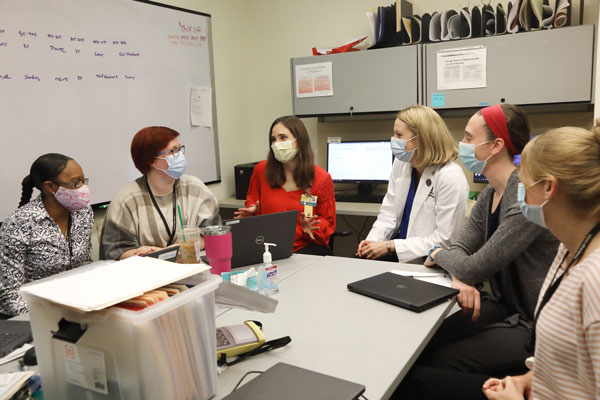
167	351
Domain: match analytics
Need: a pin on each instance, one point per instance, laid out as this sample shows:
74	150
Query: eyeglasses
74	184
174	152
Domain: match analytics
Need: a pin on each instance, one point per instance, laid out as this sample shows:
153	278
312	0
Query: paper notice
85	367
314	80
201	106
461	68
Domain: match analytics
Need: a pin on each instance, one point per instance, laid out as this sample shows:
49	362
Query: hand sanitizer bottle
267	273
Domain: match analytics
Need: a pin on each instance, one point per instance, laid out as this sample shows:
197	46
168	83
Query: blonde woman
426	200
560	189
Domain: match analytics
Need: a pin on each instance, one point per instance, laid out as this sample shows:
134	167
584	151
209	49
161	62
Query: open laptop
167	254
403	291
13	334
249	234
285	381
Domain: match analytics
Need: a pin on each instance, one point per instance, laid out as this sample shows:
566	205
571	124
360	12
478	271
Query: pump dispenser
267	273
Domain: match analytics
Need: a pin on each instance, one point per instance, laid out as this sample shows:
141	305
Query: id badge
309	202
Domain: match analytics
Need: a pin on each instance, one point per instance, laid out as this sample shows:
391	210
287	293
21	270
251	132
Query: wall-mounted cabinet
384	80
530	68
542	67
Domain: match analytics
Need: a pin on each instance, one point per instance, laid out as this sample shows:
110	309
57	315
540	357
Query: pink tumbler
217	240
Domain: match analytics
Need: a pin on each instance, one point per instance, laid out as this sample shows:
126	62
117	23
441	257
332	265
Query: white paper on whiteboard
314	80
201	106
461	68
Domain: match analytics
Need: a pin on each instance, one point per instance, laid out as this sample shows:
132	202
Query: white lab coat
438	211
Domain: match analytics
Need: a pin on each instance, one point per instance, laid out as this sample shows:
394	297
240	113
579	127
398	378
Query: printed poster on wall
463	68
314	80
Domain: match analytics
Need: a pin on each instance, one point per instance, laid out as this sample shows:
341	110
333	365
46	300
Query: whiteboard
81	77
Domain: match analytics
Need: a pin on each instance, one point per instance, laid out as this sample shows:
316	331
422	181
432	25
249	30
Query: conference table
335	331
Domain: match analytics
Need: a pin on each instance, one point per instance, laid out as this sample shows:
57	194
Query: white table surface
338	332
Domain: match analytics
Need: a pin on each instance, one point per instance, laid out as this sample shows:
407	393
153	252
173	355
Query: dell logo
401	286
259	240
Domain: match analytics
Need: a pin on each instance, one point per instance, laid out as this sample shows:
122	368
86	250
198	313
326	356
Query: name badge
309	202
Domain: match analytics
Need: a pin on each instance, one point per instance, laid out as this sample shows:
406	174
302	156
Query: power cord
359	233
244	377
364	397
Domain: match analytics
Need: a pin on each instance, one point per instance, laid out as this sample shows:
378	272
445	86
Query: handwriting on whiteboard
73	46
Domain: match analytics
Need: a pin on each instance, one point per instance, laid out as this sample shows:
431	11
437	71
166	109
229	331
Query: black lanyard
170	232
555	282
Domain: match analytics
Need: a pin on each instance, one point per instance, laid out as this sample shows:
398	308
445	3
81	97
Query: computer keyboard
358	198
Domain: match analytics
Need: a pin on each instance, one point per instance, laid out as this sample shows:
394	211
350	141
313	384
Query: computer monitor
362	162
480	178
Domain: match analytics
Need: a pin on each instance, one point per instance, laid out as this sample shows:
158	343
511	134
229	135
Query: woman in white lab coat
426	200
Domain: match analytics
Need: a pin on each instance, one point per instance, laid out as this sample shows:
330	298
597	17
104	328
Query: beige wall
253	41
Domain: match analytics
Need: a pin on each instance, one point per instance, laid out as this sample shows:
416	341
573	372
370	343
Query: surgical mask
399	149
534	214
466	151
73	199
176	165
284	151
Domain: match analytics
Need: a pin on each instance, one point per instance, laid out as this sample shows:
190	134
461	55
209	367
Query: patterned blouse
33	247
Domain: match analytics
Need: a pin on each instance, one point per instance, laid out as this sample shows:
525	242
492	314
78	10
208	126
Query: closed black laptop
248	235
13	334
284	381
403	291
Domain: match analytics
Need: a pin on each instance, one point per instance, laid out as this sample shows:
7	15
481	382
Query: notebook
248	235
285	381
403	291
13	334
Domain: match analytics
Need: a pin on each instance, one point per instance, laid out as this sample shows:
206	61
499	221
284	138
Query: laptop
403	291
248	235
13	334
285	381
167	254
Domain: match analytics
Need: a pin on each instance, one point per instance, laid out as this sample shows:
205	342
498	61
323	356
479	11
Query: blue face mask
534	214
176	165
399	149
466	151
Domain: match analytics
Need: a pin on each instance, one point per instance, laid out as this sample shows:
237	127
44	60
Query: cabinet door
383	80
541	67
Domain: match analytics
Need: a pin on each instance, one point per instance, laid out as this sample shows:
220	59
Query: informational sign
463	68
314	80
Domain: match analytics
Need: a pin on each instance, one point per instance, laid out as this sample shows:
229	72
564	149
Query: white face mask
284	151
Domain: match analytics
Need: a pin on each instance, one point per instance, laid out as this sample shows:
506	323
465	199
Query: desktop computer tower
243	173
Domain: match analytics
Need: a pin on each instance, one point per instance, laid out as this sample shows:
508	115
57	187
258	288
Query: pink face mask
73	199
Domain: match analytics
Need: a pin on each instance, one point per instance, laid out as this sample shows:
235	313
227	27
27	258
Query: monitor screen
360	162
480	178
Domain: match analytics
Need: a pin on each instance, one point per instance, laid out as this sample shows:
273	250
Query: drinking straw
181	221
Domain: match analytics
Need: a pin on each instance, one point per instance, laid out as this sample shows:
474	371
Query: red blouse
278	200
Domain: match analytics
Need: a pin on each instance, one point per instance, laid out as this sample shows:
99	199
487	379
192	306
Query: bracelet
434	248
389	246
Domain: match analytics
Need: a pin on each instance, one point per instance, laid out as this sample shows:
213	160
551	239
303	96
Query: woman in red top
278	184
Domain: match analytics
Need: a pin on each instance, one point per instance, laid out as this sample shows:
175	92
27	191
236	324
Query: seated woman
278	184
426	200
497	244
560	189
144	215
47	235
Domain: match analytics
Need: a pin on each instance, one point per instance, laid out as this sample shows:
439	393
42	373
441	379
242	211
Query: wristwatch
389	246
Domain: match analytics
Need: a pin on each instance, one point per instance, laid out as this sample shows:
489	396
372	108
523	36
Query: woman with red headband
499	245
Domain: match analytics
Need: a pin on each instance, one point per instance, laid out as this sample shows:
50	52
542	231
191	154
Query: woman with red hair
143	216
